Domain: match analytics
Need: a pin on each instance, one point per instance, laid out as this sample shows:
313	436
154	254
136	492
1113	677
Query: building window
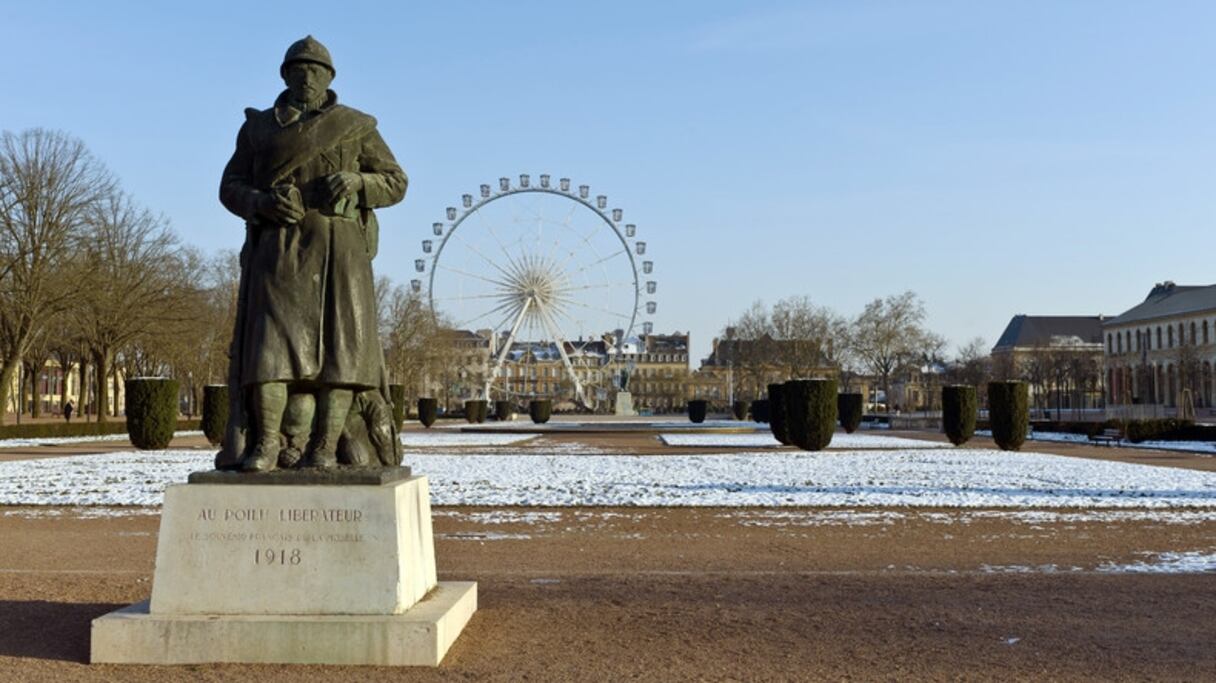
1205	332
1120	338
1194	337
1110	344
1159	336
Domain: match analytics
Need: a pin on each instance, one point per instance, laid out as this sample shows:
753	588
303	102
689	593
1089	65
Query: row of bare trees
90	278
888	339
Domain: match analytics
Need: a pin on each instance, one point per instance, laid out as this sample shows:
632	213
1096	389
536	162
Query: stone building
1059	356
1161	351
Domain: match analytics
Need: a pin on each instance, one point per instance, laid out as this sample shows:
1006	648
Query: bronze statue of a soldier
306	380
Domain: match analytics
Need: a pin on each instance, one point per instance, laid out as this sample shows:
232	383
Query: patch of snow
61	440
442	439
1194	562
1203	447
946	478
839	441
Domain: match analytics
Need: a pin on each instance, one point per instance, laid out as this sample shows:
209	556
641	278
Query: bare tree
888	334
810	338
134	285
972	364
49	185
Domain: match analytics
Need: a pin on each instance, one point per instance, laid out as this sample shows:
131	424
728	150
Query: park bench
1110	437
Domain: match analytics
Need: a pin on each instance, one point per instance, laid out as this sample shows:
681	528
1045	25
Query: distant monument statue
307	383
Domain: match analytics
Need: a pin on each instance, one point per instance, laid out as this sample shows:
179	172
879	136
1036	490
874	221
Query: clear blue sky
996	158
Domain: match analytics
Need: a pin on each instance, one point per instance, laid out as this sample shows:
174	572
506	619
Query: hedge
151	408
540	410
215	412
810	407
396	394
777	414
848	408
428	410
51	430
959	410
697	409
1009	413
760	410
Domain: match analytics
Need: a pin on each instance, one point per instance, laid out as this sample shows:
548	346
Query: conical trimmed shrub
151	407
810	406
428	411
697	409
959	409
1009	413
540	410
848	408
739	410
503	411
475	411
215	412
777	413
760	410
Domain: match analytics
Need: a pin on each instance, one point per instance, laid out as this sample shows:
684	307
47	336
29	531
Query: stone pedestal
282	573
624	404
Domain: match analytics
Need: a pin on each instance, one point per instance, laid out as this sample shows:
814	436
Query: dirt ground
600	594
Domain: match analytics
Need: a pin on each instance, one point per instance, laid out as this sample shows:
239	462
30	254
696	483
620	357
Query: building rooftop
1167	299
1027	331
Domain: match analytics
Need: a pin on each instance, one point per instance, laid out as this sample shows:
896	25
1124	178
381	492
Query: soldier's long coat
309	311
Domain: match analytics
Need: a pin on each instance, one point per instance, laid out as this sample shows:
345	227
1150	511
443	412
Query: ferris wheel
545	270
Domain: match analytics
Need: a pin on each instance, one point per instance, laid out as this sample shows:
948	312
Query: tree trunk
114	383
63	383
101	361
83	388
8	371
35	393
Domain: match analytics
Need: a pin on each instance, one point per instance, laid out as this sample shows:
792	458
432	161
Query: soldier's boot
321	454
265	455
332	408
269	401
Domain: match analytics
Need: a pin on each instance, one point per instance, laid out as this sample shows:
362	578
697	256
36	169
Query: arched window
1110	344
1205	332
1120	340
1158	336
1194	337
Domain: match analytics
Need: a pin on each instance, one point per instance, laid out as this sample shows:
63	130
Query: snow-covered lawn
953	478
442	439
840	441
1205	447
60	440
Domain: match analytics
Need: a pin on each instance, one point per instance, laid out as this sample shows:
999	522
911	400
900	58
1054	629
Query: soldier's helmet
307	49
